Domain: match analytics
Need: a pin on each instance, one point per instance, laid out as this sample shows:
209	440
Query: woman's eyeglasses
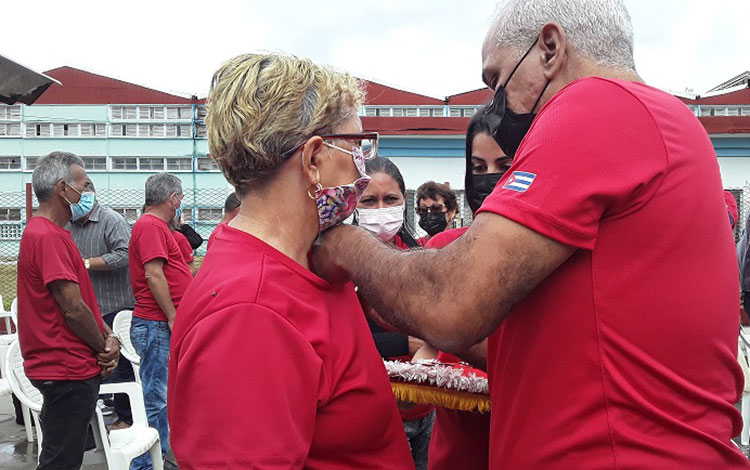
366	141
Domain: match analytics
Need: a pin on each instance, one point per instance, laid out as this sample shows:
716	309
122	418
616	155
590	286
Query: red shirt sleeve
56	261
244	388
152	243
593	151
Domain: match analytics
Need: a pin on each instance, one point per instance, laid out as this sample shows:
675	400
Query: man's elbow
466	324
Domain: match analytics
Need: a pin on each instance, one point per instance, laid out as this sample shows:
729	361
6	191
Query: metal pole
28	202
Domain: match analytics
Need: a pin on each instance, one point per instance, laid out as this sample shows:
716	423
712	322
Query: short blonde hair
261	105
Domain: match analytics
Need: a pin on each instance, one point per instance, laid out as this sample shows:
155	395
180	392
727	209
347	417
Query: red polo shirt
460	439
271	367
625	356
151	239
50	349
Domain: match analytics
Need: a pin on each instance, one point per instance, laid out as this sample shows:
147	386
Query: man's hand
415	344
324	254
170	323
108	359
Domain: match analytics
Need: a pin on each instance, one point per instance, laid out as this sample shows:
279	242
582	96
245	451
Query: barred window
31	163
151	163
124	163
95	163
129	213
10	214
207	164
10	163
210	213
10	231
180	164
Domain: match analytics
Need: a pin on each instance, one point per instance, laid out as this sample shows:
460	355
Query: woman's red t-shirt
272	367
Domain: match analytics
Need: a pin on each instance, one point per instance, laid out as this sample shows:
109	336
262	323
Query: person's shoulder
445	238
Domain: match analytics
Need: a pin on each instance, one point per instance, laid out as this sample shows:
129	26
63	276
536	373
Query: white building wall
417	170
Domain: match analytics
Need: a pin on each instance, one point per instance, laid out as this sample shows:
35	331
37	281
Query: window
10	214
129	130
201	111
398	112
151	163
31	163
187	214
10	163
424	112
143	113
370	112
95	163
10	231
151	130
185	130
10	130
65	130
383	112
455	112
124	163
207	164
200	131
437	112
129	213
115	112
37	129
410	112
130	112
212	213
180	164
10	113
156	112
186	113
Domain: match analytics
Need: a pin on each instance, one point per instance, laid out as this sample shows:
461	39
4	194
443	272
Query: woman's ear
312	157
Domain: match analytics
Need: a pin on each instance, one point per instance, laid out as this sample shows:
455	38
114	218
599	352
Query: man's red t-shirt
50	349
213	235
460	439
151	239
271	367
625	356
185	249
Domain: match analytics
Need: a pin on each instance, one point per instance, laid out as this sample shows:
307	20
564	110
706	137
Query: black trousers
66	413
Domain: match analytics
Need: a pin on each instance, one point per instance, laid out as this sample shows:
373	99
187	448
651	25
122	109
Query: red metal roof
82	87
733	97
474	97
378	94
726	124
416	125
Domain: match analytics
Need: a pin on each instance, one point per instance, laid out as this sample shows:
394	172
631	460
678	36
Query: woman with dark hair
382	211
486	163
460	439
382	208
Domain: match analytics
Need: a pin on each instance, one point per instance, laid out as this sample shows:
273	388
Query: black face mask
507	127
433	223
480	187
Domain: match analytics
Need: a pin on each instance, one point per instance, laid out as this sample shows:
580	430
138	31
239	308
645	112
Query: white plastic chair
27	394
121	328
119	447
5	342
744	350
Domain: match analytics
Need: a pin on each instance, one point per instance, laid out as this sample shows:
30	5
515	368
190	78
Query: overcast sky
427	46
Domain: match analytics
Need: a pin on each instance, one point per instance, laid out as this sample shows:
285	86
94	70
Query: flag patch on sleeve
519	181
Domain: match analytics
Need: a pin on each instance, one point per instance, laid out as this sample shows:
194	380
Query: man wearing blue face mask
159	277
67	348
102	236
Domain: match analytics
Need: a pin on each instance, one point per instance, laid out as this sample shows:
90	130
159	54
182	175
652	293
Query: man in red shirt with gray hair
604	251
67	349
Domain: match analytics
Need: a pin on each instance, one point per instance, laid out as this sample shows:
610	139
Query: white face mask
384	223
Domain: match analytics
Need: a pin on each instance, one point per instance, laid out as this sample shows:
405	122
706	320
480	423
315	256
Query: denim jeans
151	341
66	413
123	373
418	433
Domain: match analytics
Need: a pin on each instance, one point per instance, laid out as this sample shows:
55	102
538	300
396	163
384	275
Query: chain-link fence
203	209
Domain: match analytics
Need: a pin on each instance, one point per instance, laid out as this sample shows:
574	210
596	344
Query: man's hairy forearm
453	297
80	319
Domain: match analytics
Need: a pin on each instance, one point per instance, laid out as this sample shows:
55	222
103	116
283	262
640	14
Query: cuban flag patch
519	181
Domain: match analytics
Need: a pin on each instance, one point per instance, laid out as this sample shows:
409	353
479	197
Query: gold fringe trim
446	398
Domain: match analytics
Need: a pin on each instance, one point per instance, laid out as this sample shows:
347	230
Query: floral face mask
335	204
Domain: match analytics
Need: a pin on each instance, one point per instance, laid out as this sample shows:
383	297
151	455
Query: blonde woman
271	366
